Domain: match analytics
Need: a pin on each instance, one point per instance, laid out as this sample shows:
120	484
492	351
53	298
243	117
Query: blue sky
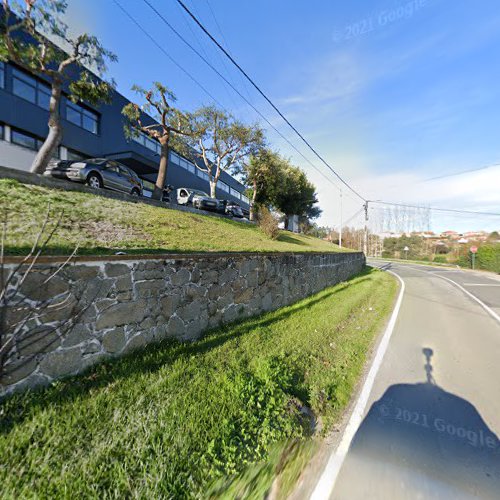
391	92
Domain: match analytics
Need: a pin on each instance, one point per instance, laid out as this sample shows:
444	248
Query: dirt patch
105	232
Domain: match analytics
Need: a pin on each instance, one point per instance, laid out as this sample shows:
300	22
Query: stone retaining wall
118	306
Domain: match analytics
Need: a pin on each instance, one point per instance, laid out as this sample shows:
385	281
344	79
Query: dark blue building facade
88	132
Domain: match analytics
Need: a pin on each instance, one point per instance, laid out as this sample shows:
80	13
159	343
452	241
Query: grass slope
102	225
170	421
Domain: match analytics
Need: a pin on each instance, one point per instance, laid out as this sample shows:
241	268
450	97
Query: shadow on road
420	440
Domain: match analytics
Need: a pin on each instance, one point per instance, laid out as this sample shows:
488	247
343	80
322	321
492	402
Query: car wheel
94	181
135	192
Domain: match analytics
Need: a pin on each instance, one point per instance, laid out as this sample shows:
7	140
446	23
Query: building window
2	74
234	193
31	89
245	199
223	186
144	140
25	140
202	174
83	117
73	155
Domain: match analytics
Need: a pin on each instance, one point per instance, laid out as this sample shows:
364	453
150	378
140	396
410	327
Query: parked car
97	173
198	199
234	210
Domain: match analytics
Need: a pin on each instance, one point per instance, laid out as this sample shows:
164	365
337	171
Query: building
88	132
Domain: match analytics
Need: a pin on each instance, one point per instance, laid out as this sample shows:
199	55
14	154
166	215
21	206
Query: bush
268	223
488	257
440	259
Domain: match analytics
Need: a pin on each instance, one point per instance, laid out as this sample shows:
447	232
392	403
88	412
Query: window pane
73	115
43	98
75	155
22	89
90	124
23	140
21	75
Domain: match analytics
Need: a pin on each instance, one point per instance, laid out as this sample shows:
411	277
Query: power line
226	53
145	32
211	66
452	210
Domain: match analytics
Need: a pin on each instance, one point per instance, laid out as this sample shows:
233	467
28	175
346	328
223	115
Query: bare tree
23	39
20	316
170	121
220	141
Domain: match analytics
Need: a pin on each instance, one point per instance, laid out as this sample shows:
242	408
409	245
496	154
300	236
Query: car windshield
97	161
199	193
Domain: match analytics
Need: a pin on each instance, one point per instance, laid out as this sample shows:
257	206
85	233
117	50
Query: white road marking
480	284
326	482
489	310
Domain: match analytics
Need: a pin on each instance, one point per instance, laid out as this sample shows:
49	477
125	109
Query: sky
392	93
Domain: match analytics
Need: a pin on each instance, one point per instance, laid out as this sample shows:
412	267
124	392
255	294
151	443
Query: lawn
102	225
182	420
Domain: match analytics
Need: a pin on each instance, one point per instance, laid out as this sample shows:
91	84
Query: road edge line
472	296
326	483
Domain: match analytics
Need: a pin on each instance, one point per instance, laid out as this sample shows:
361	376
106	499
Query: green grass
101	226
175	420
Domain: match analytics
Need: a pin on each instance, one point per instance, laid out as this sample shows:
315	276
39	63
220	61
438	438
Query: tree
296	195
170	121
23	39
262	172
220	141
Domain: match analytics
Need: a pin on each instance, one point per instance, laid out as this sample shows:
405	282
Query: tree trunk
162	171
252	204
51	143
213	185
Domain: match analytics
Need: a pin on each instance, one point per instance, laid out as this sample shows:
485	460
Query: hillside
100	225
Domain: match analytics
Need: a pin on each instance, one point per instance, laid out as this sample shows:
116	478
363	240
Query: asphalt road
431	426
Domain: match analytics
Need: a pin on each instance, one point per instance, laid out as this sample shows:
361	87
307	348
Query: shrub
440	259
488	257
268	223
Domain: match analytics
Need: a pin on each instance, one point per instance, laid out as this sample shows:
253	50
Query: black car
97	173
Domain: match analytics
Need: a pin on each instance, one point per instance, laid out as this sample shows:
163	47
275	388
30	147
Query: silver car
97	173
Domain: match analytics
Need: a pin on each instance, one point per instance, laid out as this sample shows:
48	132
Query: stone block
181	277
149	288
78	334
190	311
18	370
114	340
113	270
35	287
61	363
92	347
121	314
243	296
169	304
176	327
41	339
227	276
81	272
123	283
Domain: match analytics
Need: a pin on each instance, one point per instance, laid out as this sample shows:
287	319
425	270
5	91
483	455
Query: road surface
431	424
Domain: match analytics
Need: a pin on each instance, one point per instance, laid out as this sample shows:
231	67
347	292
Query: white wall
14	156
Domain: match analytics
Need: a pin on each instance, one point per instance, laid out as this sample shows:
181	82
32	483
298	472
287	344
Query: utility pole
365	243
340	231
